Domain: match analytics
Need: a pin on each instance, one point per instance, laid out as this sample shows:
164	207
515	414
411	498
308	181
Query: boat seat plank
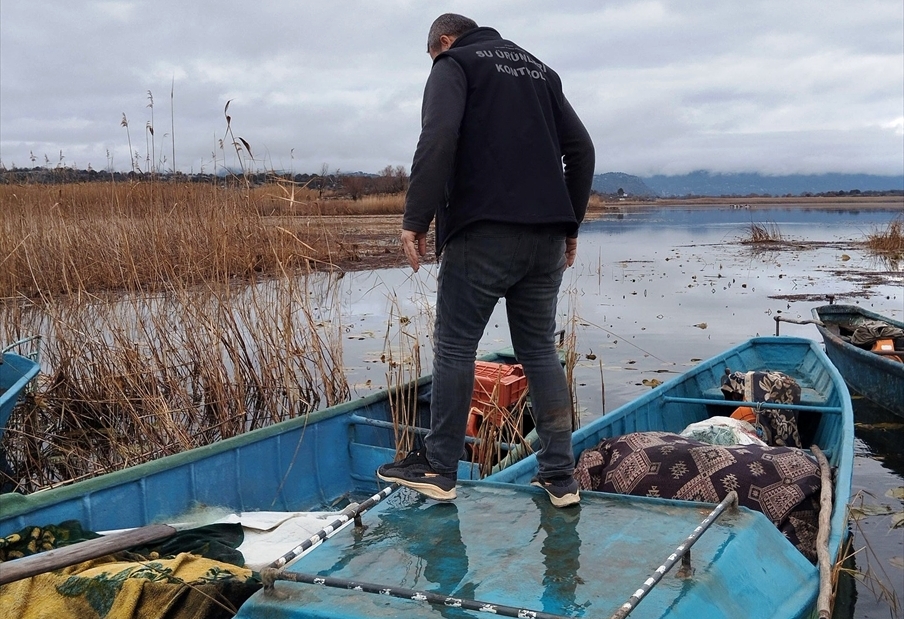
728	404
808	396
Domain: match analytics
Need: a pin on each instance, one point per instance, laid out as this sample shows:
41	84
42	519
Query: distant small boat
877	375
16	371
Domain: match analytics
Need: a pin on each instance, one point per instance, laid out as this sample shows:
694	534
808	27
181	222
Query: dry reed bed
887	242
141	236
131	378
173	315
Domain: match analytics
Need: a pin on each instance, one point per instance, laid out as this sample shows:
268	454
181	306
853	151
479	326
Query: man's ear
446	41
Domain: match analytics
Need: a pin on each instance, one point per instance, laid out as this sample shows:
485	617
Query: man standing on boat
496	130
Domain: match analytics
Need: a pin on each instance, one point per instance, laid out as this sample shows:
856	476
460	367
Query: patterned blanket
781	482
775	426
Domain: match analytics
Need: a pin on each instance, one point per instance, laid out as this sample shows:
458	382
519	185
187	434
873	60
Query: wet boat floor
508	545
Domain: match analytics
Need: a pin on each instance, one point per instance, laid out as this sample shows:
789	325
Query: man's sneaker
415	472
562	492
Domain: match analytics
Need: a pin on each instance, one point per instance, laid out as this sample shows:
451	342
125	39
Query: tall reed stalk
173	315
402	355
133	377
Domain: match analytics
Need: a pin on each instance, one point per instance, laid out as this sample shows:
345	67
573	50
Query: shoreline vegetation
142	236
176	314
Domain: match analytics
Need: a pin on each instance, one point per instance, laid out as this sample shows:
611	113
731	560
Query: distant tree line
392	179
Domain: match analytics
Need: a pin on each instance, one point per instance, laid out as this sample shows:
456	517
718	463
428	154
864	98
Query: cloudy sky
664	87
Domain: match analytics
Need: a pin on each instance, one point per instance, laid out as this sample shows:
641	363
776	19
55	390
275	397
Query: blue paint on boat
16	371
832	430
877	378
500	541
306	463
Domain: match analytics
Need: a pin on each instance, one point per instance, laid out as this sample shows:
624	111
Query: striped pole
682	550
269	575
352	511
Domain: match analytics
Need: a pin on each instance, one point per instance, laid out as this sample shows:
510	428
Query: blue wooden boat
16	371
500	545
876	376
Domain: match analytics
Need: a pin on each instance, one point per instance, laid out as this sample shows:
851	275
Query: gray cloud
664	87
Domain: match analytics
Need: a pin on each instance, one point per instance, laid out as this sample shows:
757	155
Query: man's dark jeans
486	262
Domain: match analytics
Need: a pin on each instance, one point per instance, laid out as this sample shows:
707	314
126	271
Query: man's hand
414	244
571	250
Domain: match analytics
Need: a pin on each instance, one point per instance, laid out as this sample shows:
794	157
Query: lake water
653	291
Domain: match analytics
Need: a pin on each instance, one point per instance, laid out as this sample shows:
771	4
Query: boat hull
663	409
303	464
16	372
500	541
877	378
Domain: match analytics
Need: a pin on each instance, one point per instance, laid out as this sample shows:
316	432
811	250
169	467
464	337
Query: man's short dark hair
450	24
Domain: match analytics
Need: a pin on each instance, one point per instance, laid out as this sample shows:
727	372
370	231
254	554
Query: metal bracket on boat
780	318
269	576
682	552
34	352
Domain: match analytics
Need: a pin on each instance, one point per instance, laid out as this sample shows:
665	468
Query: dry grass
871	575
888	242
135	377
764	233
402	354
141	237
173	315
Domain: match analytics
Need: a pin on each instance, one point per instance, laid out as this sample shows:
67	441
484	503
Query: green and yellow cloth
195	574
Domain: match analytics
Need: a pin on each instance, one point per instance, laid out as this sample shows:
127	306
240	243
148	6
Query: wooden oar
58	558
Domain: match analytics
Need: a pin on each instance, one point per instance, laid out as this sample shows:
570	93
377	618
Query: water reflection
882	434
561	551
433	556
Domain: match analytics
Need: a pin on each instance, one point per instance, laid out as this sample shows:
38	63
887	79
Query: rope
824	601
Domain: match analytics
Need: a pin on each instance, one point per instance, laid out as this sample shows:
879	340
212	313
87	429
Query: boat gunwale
27	368
871	375
860	353
16	504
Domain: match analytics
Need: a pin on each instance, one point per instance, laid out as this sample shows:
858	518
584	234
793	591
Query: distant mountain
704	183
610	182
